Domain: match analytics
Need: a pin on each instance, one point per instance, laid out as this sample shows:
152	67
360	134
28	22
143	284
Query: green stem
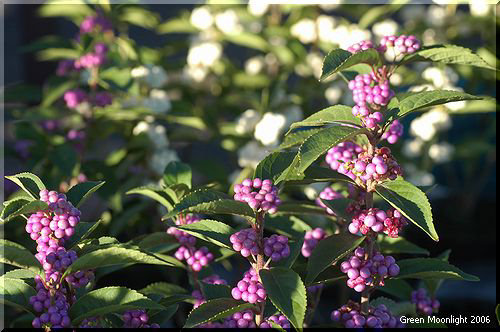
259	220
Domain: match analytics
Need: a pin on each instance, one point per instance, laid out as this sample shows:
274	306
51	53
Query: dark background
465	218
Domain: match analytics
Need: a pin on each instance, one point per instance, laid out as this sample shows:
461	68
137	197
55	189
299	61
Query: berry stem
365	295
259	219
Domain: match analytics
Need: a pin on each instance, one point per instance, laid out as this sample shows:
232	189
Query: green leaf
173	299
88	245
332	114
163	288
214	310
404	308
339	59
315	174
297	138
50	54
109	300
16	293
411	202
287	292
155	193
329	251
378	13
139	16
211	291
211	231
80	192
66	158
23	274
177	25
82	231
12	209
295	248
74	10
210	201
156	242
290	226
119	255
399	245
249	40
54	92
177	172
449	54
434	284
273	165
15	254
30	183
420	100
300	208
319	143
398	288
339	206
431	268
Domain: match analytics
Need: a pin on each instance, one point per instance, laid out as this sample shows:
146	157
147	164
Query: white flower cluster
157	134
153	76
158	101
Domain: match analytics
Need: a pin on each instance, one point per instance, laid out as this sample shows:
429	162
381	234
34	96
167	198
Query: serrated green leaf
315	174
177	173
434	284
80	192
411	202
332	114
214	310
211	231
339	206
431	268
29	182
339	59
449	54
163	288
119	255
110	300
87	245
211	202
398	288
16	293
420	100
211	291
155	193
399	245
15	254
82	231
12	209
23	274
287	292
297	138
273	165
156	242
329	251
173	299
319	143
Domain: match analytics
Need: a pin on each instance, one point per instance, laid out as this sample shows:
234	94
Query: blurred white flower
441	152
204	54
412	148
246	121
330	5
325	25
154	76
421	178
228	22
385	28
201	18
439	77
254	65
333	94
158	135
428	124
269	128
158	101
396	79
435	15
258	7
197	74
346	36
315	62
161	158
412	12
429	36
304	30
251	154
480	7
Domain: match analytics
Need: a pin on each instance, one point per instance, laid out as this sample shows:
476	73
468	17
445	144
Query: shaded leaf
16	293
433	268
211	231
177	173
214	310
332	114
14	254
80	192
399	245
29	182
339	59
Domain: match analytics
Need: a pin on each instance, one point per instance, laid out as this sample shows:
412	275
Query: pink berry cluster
181	236
244	319
402	44
372	271
389	222
249	289
342	153
92	59
328	194
261	195
137	319
281	320
245	241
53	308
75	97
350	316
276	247
425	305
197	259
361	46
96	23
213	280
311	240
394	132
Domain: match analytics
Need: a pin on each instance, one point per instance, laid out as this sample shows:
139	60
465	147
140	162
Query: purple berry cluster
244	319
350	316
389	222
363	271
281	320
425	305
198	298
311	240
276	247
93	59
74	97
96	23
342	153
261	195
53	309
361	46
249	289
181	236
214	279
328	194
197	259
137	319
402	44
245	241
394	132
